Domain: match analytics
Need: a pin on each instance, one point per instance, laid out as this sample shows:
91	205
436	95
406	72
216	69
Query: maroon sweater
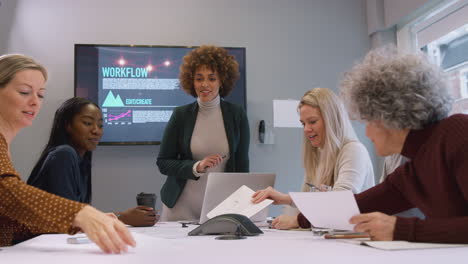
435	181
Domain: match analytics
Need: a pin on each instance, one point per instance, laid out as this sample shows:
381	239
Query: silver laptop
220	185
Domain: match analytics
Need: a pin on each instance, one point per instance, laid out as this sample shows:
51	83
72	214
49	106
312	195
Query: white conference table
167	242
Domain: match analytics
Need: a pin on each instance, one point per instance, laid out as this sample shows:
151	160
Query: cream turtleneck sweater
208	138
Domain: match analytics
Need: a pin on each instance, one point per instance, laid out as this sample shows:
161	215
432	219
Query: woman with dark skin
64	167
208	135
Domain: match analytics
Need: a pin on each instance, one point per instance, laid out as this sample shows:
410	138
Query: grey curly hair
404	91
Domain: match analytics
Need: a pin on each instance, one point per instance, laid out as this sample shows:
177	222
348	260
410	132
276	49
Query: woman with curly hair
209	135
404	101
333	155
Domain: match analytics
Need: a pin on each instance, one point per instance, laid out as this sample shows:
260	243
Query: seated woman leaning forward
333	155
26	211
404	101
64	167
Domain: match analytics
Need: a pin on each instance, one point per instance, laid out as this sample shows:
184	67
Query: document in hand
327	209
239	202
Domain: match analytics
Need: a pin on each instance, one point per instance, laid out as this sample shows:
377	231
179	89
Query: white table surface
169	243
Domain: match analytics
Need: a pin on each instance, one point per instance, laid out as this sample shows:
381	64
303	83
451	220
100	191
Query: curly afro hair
215	58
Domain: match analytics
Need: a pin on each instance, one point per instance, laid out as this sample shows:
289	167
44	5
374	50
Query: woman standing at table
26	211
333	156
404	100
64	167
209	135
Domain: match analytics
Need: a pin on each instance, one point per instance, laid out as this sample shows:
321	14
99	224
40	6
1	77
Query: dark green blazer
175	157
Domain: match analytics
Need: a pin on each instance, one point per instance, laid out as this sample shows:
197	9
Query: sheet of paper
239	202
327	209
285	113
405	245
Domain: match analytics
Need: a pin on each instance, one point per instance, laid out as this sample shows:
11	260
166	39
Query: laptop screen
220	185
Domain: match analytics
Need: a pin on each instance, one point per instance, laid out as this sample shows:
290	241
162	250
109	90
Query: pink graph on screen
117	117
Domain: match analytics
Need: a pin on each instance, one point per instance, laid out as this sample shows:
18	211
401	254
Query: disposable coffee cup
146	199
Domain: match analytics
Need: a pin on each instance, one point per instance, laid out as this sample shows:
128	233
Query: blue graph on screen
112	101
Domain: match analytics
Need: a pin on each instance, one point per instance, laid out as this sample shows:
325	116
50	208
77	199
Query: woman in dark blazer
209	135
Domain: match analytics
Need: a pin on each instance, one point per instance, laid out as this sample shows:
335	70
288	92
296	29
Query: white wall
292	46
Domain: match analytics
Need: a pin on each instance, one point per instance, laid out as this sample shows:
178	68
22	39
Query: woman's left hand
285	222
379	226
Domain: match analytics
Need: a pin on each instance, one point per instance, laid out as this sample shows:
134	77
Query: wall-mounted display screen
137	87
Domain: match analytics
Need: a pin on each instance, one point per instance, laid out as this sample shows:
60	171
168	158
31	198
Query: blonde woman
333	155
26	211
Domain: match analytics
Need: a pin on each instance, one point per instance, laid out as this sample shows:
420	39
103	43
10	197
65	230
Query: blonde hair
320	163
10	64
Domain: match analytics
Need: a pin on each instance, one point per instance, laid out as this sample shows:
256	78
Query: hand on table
285	222
107	232
379	226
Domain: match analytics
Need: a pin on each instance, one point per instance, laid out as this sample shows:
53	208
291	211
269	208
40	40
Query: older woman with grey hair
404	101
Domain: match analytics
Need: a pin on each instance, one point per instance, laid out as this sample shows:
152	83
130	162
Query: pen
78	240
270	221
223	157
345	236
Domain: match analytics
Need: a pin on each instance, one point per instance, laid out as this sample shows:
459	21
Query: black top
64	173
